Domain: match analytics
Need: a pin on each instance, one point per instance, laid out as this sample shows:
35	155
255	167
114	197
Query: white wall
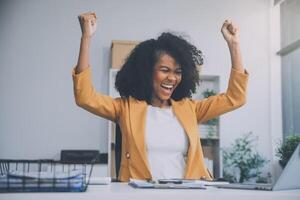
39	46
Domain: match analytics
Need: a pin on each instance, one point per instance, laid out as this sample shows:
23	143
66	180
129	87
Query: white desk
118	191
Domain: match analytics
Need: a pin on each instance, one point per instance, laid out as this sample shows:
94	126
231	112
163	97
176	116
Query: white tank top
166	144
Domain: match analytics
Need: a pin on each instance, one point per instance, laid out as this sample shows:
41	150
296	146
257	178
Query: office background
40	43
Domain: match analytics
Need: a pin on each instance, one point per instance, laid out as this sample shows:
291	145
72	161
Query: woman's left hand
230	32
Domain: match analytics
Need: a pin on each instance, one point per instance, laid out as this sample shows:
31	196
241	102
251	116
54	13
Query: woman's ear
199	68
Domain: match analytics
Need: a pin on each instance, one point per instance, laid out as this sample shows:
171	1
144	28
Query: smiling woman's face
166	77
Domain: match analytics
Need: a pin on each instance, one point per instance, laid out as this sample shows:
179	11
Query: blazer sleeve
87	98
234	98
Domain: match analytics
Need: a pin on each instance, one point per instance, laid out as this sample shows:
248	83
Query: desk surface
118	191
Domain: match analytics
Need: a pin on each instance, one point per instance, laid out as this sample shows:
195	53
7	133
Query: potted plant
287	148
241	159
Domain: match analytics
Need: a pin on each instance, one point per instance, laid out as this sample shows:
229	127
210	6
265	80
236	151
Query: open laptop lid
290	176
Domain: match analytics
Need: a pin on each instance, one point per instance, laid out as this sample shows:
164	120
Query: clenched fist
230	32
88	23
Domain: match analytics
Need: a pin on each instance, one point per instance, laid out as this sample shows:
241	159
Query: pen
174	181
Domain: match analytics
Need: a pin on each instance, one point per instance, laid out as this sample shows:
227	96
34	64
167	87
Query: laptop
288	180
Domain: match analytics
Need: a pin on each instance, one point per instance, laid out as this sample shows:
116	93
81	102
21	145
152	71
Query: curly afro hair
135	78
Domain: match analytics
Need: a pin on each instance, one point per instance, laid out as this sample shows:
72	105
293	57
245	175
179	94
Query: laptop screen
290	176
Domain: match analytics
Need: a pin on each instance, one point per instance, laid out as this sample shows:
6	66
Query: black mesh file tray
43	176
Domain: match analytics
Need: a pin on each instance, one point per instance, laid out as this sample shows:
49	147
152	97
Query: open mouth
167	87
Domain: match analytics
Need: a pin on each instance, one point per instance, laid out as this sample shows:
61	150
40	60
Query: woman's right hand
230	32
88	23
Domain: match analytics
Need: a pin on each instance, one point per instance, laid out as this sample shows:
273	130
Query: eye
164	69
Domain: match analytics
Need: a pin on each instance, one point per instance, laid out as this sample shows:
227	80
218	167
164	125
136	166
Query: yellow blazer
130	114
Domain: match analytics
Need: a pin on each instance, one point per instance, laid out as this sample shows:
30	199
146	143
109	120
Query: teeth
167	86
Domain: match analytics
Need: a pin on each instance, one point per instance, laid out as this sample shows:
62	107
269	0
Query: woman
158	120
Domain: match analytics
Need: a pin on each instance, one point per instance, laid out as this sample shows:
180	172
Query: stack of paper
44	175
42	181
175	183
168	185
99	180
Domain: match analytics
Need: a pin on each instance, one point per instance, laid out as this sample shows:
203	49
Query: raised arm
231	34
235	96
88	24
84	92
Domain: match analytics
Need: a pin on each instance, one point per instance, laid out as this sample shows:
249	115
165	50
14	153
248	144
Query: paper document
193	181
99	180
45	174
168	185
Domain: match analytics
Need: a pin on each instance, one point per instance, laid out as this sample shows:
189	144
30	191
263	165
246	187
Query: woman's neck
161	103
